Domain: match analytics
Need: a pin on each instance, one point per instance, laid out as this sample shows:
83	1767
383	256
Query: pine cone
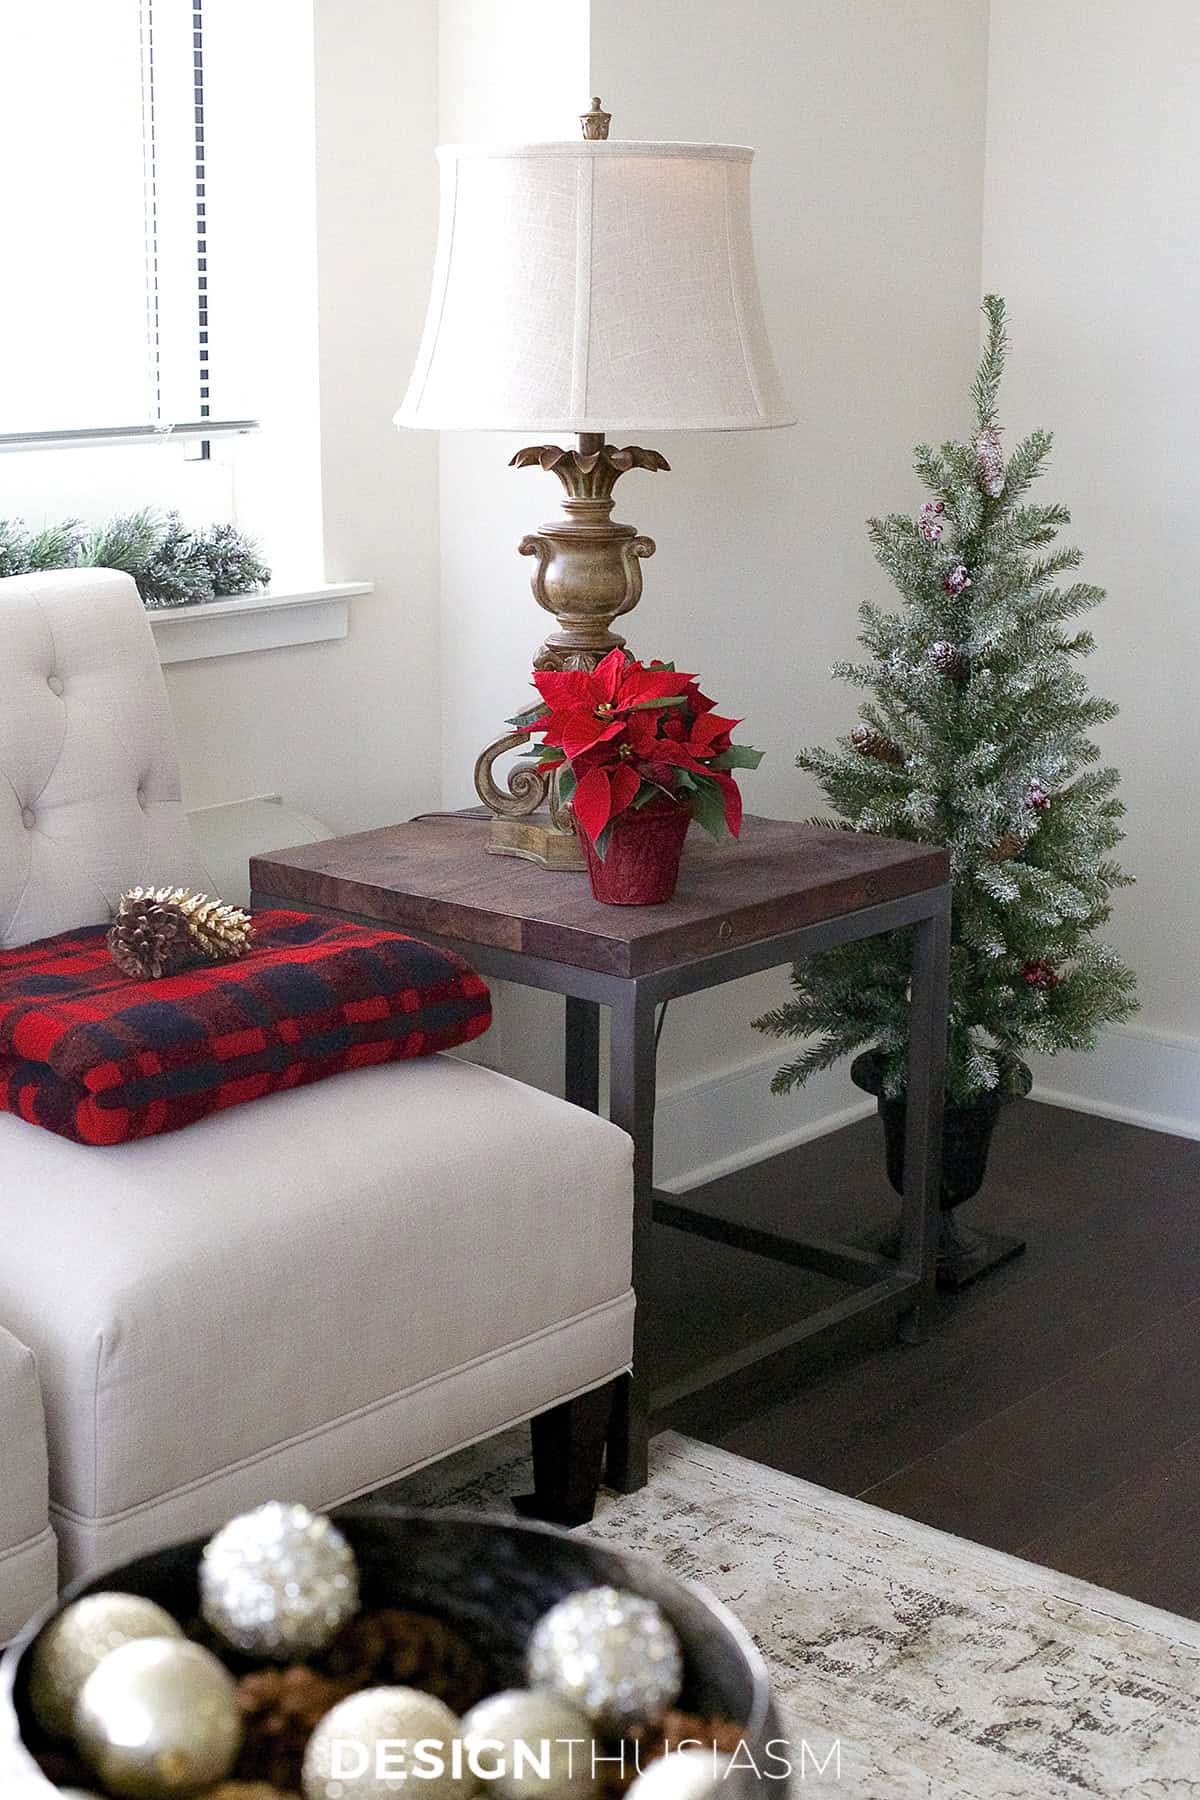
990	471
249	1790
869	742
159	930
1006	847
148	937
1039	974
218	931
393	1648
951	660
282	1708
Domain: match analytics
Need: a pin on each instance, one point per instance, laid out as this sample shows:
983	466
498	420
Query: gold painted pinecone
869	742
159	930
1006	847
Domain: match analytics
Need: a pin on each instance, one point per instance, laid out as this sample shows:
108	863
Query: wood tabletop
434	875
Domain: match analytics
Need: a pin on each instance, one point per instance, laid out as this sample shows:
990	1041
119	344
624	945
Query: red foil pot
642	864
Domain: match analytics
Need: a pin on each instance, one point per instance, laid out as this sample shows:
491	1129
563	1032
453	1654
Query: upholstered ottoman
307	1296
27	1552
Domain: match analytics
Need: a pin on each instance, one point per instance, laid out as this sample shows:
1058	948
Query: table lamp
591	287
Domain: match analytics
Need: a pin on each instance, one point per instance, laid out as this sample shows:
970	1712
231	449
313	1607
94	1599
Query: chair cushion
97	1057
301	1275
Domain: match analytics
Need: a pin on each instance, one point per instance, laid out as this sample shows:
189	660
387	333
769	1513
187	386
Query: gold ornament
74	1643
158	1719
158	930
873	743
342	1761
529	1716
691	1774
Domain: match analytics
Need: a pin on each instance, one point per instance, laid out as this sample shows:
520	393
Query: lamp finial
596	122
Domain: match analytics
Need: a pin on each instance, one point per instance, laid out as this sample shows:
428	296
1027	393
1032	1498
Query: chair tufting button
28	817
55	683
141	798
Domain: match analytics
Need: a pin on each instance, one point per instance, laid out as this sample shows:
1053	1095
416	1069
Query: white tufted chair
296	1297
89	785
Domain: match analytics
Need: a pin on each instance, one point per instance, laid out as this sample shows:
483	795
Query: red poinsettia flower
635	734
586	709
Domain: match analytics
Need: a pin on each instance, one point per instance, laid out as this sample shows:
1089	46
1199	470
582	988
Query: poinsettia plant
627	735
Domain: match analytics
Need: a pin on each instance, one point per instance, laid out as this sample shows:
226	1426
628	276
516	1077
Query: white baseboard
713	1124
716	1123
1135	1074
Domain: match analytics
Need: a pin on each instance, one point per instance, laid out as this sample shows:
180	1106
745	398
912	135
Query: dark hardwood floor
1053	1410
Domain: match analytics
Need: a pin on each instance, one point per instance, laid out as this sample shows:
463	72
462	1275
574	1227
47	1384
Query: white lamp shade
596	286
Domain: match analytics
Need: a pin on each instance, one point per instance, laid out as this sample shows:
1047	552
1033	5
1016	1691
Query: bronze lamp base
588	573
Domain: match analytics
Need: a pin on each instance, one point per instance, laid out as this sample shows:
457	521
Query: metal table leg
631	1105
921	1204
581	1071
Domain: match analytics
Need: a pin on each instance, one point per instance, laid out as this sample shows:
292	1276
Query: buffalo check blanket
94	1056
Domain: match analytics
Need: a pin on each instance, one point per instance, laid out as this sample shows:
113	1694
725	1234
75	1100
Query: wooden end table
783	892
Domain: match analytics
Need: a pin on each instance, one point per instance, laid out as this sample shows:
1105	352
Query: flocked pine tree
975	735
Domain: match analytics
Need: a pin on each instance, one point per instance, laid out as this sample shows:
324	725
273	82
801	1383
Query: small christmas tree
975	736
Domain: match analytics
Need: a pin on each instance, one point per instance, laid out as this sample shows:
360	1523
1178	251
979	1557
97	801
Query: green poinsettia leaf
662	700
603	841
567	782
686	780
708	808
652	790
528	716
738	756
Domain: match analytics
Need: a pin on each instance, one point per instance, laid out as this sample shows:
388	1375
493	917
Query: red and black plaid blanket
99	1058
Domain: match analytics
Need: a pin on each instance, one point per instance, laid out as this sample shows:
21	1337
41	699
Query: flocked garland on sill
171	564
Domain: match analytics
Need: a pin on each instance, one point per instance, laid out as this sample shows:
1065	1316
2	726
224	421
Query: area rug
907	1663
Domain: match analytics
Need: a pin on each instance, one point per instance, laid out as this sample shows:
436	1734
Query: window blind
109	280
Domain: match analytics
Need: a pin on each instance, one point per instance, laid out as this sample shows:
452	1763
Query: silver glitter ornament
278	1582
611	1652
553	1732
158	1719
74	1643
363	1749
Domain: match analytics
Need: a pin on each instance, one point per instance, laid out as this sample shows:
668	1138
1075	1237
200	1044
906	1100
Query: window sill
263	621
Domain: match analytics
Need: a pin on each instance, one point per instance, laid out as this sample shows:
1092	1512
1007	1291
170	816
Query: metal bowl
492	1580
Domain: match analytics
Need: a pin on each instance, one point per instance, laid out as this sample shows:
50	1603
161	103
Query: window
158	200
105	319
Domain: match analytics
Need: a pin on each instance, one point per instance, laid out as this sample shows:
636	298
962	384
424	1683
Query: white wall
349	731
867	124
1092	218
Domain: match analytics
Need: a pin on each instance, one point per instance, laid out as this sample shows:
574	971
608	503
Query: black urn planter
964	1253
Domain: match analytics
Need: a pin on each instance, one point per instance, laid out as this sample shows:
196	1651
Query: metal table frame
906	1285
